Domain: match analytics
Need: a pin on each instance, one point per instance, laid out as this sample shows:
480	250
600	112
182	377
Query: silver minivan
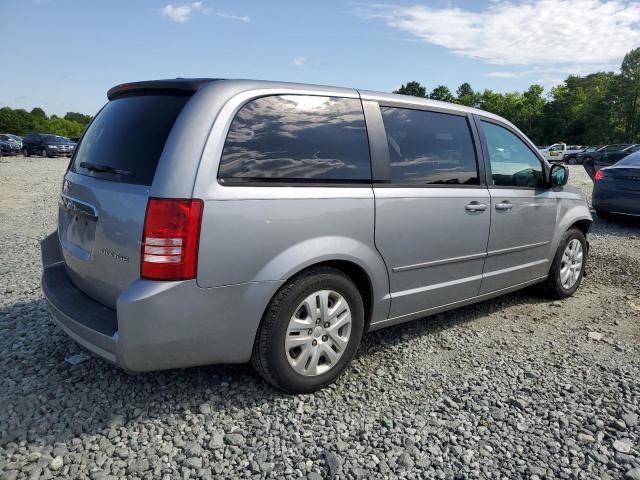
207	221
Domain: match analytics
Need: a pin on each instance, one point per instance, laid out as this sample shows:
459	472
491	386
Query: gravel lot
517	387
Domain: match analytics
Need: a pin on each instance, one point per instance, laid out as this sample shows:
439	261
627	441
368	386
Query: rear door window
297	138
429	148
125	141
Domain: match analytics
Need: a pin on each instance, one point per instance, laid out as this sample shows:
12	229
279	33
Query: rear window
630	161
285	138
125	141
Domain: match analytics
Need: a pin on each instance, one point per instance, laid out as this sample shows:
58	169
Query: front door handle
506	205
475	207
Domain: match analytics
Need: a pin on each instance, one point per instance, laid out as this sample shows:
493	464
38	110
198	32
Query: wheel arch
584	225
356	272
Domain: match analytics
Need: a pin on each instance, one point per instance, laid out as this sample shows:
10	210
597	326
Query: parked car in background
75	139
577	157
616	188
47	145
607	156
9	145
15	138
223	221
557	151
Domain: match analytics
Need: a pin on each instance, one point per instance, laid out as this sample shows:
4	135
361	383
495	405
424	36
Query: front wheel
310	332
572	161
44	153
568	265
25	152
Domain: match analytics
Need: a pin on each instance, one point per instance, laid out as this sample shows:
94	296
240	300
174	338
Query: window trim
384	159
487	158
293	182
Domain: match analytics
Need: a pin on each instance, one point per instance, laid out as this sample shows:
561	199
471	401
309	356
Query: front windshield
632	160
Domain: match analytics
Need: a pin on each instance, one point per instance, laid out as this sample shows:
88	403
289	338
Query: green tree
21	122
442	93
412	88
38	112
630	90
466	95
80	118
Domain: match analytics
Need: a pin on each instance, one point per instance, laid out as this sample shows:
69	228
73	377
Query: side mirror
559	175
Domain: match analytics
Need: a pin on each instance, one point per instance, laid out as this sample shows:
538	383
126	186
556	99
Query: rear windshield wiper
105	168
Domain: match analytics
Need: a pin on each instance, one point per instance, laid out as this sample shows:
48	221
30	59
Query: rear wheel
25	152
310	331
572	161
567	269
44	153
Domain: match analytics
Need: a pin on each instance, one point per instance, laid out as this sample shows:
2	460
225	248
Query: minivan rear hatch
105	192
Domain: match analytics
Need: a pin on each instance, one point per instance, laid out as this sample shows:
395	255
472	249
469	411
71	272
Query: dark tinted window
630	161
128	135
297	137
615	147
513	164
53	139
429	148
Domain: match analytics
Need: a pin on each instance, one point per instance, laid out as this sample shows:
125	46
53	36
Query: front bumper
59	153
157	325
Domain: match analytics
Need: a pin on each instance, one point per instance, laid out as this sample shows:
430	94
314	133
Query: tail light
170	239
599	175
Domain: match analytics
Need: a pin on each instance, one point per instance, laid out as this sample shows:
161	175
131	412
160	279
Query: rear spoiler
176	86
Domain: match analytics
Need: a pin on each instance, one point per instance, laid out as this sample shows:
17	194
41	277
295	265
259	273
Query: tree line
599	108
20	122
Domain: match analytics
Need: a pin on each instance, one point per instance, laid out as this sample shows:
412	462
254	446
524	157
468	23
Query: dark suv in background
9	146
47	145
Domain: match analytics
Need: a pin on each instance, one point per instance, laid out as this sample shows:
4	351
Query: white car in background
557	151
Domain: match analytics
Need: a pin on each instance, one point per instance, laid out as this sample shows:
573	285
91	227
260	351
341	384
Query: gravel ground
517	387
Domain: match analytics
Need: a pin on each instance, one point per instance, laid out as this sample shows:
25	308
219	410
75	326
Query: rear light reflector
599	175
170	239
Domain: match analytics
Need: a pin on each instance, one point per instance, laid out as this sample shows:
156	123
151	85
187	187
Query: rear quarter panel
270	233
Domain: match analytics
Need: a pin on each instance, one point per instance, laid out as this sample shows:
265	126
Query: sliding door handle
506	205
475	207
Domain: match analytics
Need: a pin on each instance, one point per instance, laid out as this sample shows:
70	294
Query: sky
63	55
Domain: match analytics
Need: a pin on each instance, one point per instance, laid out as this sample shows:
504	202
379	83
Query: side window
513	164
429	148
297	138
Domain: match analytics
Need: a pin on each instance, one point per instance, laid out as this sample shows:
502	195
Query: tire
44	153
554	286
25	152
604	215
273	358
572	161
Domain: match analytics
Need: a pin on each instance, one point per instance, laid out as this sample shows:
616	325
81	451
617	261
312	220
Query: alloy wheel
571	264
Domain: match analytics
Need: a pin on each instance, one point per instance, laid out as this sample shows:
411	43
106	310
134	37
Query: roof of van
191	85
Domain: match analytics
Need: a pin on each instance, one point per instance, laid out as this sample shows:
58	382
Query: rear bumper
157	325
616	202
